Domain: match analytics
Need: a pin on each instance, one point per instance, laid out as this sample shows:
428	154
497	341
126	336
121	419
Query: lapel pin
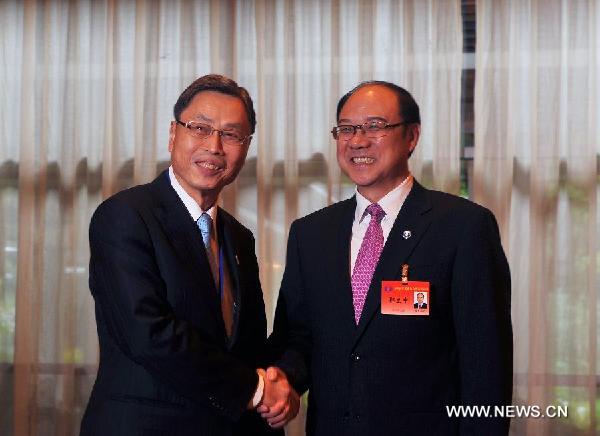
237	260
406	234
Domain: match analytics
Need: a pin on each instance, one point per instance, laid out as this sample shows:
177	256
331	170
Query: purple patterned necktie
367	259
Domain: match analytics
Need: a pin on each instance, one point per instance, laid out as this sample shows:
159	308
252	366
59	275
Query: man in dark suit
358	357
420	304
179	306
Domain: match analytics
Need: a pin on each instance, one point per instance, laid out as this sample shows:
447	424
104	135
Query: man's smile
362	160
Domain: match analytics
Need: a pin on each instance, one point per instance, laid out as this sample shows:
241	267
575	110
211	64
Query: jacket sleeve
290	341
481	309
131	297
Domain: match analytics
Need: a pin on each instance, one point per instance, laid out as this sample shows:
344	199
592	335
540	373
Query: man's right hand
280	402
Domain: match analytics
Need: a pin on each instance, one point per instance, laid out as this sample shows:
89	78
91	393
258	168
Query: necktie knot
376	212
205	225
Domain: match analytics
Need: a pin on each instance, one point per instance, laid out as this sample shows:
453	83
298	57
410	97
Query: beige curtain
86	94
537	148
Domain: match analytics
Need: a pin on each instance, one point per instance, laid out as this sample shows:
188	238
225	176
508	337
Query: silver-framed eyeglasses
371	129
203	131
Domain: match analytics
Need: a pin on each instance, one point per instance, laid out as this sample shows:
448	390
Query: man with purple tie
329	327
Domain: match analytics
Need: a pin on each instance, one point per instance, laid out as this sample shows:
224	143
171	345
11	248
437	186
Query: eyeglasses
203	131
371	129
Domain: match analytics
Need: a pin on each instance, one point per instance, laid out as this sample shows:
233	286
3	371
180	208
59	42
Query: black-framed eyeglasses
203	131
371	129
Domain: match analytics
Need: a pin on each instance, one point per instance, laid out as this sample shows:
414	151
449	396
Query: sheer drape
537	142
87	89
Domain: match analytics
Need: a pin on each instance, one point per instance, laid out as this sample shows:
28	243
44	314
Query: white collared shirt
190	204
391	203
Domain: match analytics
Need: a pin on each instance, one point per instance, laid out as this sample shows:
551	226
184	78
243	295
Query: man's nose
359	139
214	143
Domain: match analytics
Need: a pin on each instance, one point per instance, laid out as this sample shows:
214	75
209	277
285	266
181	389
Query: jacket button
355	357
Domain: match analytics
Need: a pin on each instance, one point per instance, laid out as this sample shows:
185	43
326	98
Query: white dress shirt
391	204
193	208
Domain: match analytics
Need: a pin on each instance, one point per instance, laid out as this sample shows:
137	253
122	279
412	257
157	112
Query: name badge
405	297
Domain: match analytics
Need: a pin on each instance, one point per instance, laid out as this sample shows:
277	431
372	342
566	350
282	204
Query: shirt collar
190	204
390	202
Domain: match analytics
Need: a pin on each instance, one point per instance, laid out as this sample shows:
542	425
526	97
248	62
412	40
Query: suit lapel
182	232
412	217
339	251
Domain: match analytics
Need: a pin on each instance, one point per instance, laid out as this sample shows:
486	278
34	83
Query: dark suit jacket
362	378
166	364
416	306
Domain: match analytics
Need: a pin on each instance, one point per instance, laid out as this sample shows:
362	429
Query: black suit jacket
416	306
362	378
166	364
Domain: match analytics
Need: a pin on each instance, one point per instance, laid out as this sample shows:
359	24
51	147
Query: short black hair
409	109
216	83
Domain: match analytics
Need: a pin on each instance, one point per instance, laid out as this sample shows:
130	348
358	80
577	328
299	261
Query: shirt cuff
258	393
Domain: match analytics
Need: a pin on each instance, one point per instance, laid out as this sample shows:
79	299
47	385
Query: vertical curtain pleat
28	289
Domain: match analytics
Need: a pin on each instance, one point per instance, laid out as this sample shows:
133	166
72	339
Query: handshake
280	402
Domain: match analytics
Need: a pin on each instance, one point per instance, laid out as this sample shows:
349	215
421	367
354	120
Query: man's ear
414	133
172	129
